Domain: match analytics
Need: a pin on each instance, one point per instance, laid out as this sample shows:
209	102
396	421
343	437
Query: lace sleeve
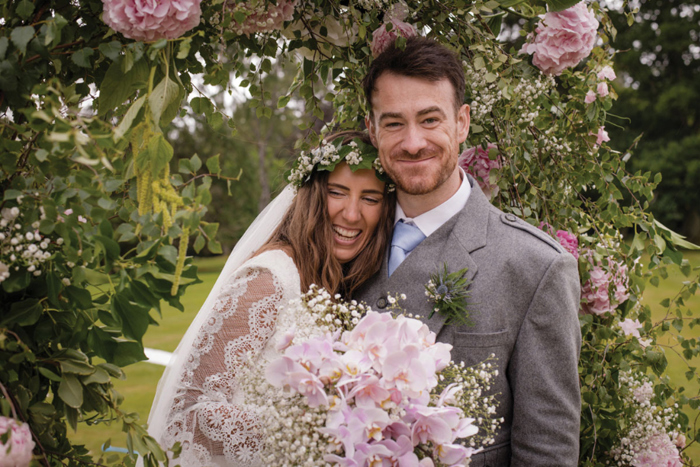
206	416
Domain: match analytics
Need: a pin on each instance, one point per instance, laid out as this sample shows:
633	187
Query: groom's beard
420	180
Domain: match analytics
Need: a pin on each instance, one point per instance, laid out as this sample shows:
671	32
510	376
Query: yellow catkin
181	253
144	194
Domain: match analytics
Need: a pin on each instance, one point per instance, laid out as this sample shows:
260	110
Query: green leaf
4	42
559	5
25	8
202	105
18	280
199	243
677	239
133	317
76	367
129	118
118	86
283	101
71	391
111	50
82	57
214	247
21	37
23	313
196	162
184	49
49	374
162	99
213	165
159	152
79	297
99	376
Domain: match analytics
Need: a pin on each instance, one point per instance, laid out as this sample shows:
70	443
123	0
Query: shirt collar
430	221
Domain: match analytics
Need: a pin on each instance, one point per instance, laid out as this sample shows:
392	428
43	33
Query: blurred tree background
658	84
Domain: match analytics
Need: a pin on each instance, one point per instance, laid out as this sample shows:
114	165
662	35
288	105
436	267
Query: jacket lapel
452	243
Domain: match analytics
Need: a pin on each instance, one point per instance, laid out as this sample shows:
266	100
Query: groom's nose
413	140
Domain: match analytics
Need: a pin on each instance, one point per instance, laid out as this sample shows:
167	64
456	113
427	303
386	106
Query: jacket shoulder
523	231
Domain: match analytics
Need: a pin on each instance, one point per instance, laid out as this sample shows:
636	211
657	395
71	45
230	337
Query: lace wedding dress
198	402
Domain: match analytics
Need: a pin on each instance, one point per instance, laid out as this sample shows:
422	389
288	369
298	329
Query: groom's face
417	129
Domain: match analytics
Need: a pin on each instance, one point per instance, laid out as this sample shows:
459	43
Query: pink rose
382	38
601	136
602	89
658	451
565	239
606	288
263	16
607	73
150	20
476	162
562	39
590	97
17	450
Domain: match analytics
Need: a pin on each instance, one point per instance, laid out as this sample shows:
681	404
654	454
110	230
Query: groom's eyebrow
420	113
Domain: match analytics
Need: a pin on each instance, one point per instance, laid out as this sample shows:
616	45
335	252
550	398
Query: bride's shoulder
272	259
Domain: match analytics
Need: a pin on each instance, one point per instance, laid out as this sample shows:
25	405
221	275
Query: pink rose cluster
151	20
602	88
606	288
659	451
382	38
384	365
631	327
565	239
600	137
17	450
476	162
562	39
263	16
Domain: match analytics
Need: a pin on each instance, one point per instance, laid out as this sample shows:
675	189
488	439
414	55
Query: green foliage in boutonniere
449	293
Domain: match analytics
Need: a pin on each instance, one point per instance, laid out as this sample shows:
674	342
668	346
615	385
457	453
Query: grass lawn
142	378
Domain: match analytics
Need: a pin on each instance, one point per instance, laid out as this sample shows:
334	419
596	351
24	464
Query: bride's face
355	208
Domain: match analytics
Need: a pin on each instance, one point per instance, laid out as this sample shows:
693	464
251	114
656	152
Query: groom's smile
417	129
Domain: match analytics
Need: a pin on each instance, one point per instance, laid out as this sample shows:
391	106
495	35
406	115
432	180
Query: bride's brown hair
307	235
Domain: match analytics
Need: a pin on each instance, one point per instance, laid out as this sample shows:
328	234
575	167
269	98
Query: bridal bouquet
358	388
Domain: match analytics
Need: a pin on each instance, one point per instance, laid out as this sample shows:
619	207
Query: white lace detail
207	414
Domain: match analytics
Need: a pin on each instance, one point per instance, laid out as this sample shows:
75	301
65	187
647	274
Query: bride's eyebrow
367	191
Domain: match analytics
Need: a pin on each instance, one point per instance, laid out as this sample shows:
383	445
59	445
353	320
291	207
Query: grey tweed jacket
524	301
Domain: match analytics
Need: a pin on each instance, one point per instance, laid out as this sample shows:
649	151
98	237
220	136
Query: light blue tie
406	237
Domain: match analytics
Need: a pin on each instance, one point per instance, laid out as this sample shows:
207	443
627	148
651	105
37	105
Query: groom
525	287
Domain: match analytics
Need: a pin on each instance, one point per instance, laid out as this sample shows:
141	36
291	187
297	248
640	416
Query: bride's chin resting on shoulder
333	234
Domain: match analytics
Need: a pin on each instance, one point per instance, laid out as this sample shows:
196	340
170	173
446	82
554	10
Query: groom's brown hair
422	58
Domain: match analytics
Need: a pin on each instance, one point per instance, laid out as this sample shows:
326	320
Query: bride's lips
346	236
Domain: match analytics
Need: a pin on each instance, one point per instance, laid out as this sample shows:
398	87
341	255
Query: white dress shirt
430	221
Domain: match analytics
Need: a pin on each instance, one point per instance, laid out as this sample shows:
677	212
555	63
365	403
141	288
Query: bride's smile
354	207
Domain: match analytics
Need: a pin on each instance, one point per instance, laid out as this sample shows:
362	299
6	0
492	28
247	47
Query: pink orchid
431	428
405	373
278	372
449	395
286	340
368	392
307	384
590	97
452	454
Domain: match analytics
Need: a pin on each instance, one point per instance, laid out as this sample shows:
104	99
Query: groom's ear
371	129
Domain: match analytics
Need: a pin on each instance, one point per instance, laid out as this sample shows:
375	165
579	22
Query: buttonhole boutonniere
449	293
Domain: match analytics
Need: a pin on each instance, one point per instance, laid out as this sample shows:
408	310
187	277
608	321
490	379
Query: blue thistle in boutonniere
449	292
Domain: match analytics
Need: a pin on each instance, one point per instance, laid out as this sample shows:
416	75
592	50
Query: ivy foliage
88	168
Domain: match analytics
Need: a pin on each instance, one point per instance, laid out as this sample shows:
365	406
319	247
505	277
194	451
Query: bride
333	232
